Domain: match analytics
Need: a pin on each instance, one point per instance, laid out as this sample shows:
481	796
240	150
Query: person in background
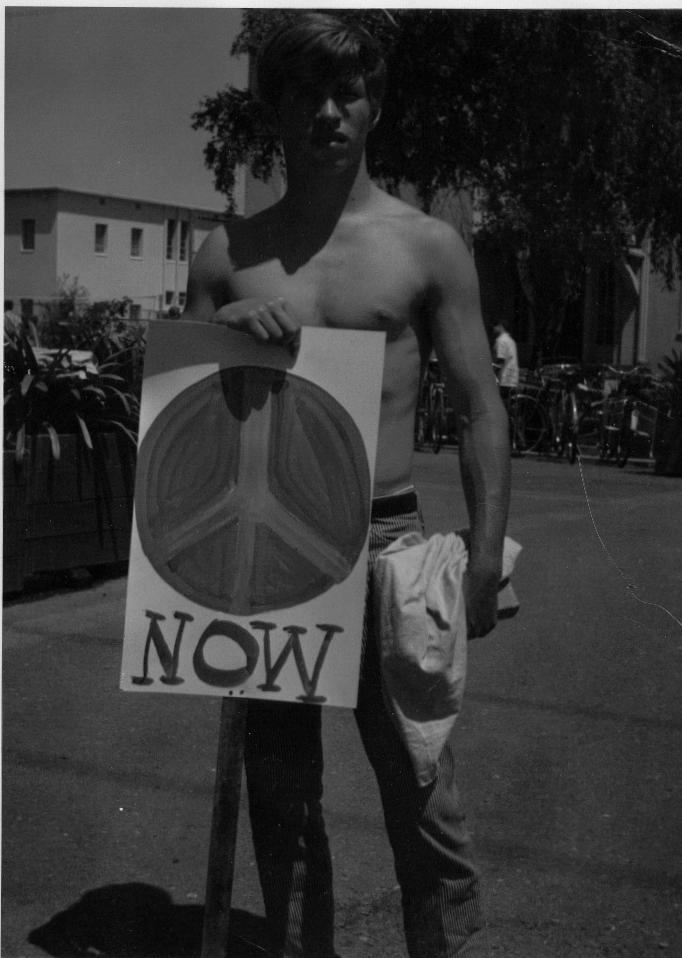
505	359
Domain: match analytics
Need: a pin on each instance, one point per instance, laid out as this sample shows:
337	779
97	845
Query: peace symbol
253	491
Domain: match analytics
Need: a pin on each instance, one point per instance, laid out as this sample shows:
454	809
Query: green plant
671	370
669	445
71	320
54	391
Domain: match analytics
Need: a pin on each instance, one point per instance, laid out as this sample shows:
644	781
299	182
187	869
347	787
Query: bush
77	370
669	450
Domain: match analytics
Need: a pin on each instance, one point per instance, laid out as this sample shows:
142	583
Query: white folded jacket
421	623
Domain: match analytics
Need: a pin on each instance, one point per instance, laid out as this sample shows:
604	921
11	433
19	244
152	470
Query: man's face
324	123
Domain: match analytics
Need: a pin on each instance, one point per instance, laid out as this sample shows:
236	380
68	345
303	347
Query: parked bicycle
528	421
574	408
563	409
431	427
555	411
631	415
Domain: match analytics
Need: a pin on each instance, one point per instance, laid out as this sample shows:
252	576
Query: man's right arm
458	335
210	298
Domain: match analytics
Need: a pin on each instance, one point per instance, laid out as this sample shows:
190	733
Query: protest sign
248	559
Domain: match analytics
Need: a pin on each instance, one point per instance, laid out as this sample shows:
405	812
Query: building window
606	305
170	239
168	299
182	299
136	242
28	236
184	240
135	311
101	231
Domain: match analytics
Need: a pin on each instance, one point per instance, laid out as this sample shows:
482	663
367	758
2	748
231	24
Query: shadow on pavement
140	921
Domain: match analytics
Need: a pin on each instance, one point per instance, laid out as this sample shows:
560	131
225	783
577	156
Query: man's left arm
459	337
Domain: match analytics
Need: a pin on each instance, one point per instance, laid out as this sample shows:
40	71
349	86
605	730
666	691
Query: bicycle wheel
606	443
572	428
420	429
556	418
437	426
610	428
624	444
527	423
560	427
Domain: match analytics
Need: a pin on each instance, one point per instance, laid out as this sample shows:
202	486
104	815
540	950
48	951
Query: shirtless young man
337	251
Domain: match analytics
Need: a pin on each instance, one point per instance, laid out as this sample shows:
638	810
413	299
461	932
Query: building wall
646	316
113	273
663	320
30	274
639	320
65	247
152	280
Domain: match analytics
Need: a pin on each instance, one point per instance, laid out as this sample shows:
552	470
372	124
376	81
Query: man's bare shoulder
224	248
213	249
237	226
440	246
386	206
250	239
435	234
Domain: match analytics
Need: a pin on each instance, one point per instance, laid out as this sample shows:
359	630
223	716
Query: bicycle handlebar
637	372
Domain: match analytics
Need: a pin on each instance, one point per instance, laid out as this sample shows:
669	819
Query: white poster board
248	560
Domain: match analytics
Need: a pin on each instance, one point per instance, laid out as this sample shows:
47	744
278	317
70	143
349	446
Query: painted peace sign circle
253	491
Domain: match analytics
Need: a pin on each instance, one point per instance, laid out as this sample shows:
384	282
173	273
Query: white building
113	246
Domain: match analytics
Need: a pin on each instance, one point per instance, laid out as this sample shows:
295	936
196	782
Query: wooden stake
221	853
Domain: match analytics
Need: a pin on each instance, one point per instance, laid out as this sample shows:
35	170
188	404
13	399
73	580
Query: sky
100	98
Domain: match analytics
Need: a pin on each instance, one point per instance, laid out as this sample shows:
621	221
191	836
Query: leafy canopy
568	122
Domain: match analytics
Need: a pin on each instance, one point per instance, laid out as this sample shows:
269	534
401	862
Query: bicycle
562	382
572	405
629	419
437	418
431	424
528	422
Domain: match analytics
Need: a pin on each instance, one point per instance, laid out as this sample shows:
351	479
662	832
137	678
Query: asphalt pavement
569	752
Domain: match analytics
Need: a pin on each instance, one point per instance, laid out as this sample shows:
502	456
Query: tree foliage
568	124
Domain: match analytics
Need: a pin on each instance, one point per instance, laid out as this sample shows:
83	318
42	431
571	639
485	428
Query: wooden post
221	853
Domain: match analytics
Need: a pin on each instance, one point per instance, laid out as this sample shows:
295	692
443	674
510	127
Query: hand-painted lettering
168	659
293	644
226	678
250	646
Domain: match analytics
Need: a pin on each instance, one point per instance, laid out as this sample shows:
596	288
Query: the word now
249	645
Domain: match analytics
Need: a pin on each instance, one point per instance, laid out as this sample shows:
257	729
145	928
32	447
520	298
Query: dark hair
319	46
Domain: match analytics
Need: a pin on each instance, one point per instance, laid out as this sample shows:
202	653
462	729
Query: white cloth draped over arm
421	625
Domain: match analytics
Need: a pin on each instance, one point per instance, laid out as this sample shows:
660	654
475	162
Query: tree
568	125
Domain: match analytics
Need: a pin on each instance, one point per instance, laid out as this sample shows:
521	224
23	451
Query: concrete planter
67	513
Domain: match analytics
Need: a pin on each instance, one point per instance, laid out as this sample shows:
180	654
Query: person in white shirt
506	361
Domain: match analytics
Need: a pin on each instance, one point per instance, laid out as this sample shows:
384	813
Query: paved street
569	750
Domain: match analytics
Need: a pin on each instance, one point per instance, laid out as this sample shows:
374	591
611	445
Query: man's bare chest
343	286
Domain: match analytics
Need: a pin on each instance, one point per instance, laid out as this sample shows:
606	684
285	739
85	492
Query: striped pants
426	826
